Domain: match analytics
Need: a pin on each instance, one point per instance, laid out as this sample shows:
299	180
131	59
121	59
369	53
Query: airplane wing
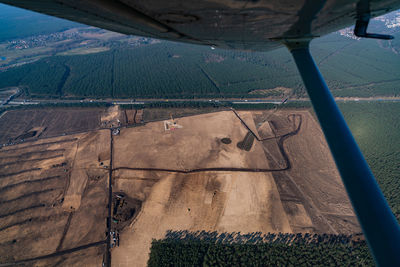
237	24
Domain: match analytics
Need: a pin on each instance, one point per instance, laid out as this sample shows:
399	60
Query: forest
376	128
255	249
175	70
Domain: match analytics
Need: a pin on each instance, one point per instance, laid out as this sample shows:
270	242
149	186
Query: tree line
183	248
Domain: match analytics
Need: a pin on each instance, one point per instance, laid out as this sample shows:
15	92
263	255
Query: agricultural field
375	126
227	172
18	125
213	183
54	198
154	114
193	184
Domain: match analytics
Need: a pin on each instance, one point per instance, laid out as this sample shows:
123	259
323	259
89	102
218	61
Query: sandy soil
89	257
91	150
156	114
54	191
196	145
305	196
113	117
314	174
39	182
206	201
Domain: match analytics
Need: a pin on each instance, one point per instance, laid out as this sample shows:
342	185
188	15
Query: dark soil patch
26	135
124	209
226	140
247	142
56	121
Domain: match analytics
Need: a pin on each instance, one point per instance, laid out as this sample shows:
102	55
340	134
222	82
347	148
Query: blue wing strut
379	225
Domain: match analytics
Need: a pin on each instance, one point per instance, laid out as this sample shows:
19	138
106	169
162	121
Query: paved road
235	101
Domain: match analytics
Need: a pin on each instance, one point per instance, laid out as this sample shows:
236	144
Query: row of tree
233	249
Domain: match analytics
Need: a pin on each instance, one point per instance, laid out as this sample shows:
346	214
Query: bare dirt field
92	256
196	145
247	171
133	116
226	171
54	198
113	117
15	123
155	114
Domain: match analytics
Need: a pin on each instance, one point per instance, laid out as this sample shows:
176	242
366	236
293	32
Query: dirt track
280	139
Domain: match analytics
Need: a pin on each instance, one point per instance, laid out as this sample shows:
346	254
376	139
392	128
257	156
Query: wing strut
363	17
379	225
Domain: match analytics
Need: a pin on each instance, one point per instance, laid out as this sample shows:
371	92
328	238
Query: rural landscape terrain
127	151
197	174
